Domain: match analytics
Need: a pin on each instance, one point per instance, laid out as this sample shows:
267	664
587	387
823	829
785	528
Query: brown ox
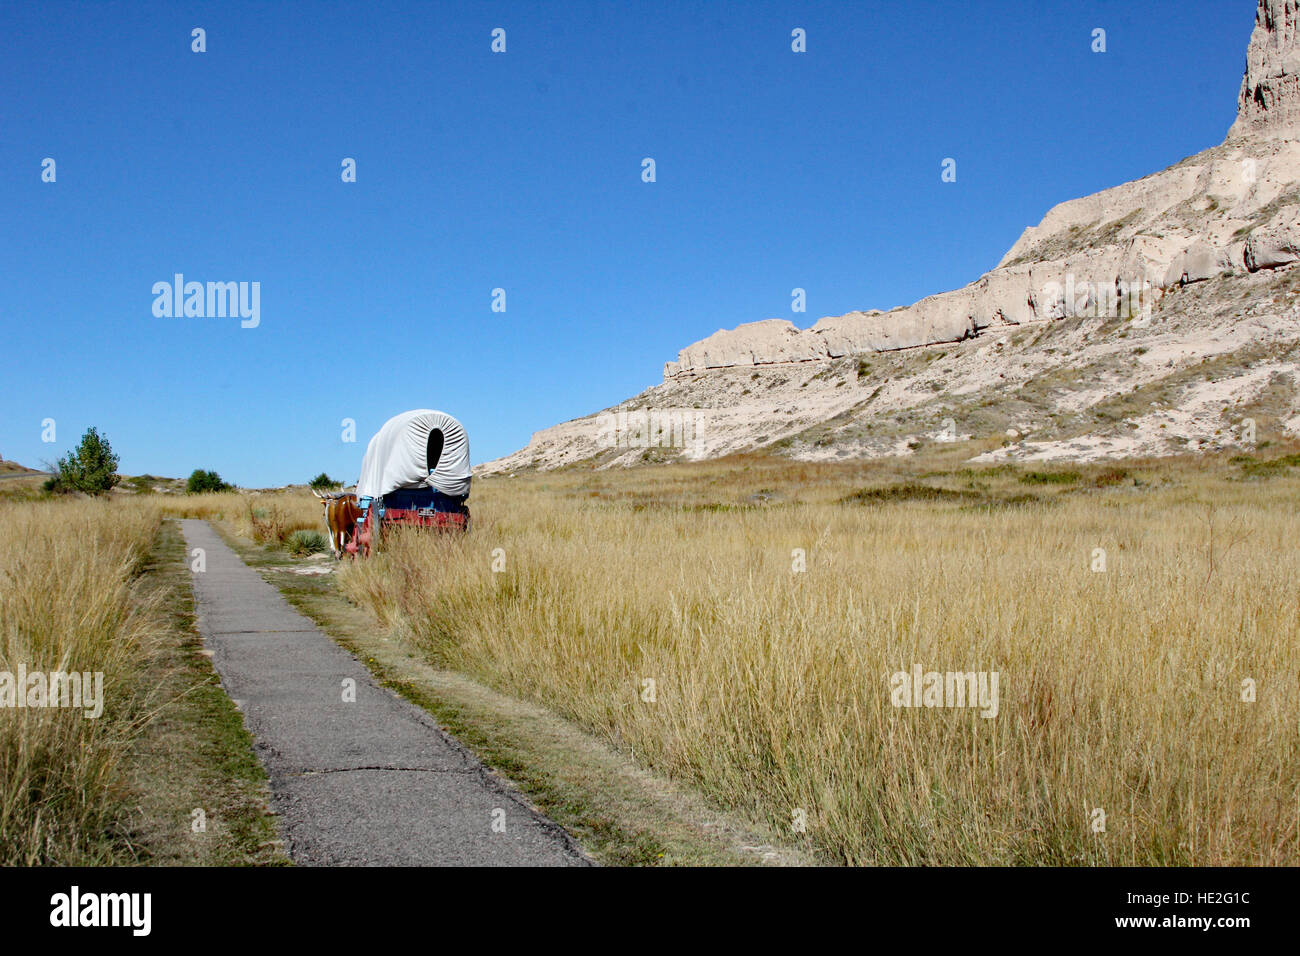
341	514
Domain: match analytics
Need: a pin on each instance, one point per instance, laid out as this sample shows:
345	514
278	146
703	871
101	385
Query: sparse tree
91	468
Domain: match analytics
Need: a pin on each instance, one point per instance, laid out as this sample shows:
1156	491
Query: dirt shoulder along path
358	775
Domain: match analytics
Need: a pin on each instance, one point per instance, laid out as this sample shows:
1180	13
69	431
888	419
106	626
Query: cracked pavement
369	782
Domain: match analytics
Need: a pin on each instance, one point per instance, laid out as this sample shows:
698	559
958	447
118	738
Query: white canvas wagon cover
398	455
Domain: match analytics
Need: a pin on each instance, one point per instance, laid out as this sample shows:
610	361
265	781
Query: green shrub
201	481
1255	468
305	542
907	492
324	482
91	468
1050	478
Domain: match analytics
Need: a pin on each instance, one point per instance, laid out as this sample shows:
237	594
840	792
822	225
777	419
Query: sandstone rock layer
1221	212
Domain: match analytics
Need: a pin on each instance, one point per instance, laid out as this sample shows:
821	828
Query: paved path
375	782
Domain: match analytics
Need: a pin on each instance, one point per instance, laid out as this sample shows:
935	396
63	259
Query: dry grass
98	585
1119	691
67	602
268	517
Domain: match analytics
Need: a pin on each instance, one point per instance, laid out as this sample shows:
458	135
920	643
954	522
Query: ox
341	514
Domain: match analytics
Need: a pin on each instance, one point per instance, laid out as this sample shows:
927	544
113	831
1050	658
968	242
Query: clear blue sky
522	171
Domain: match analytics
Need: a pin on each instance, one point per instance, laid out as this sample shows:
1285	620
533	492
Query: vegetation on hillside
91	468
201	481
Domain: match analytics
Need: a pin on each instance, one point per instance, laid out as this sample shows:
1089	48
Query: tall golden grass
70	601
1120	691
67	603
267	517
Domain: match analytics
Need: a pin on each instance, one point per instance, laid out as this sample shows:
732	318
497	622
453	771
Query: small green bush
91	468
907	491
305	542
201	481
1050	478
1255	468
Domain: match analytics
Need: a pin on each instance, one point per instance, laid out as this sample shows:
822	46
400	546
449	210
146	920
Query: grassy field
101	587
733	626
66	604
621	813
267	517
1121	734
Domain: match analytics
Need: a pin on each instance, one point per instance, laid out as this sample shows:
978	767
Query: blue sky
522	171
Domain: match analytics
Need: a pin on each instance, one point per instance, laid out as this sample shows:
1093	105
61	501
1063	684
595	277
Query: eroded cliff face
1269	104
1157	317
1229	210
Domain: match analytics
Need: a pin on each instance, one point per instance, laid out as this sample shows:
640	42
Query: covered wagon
416	473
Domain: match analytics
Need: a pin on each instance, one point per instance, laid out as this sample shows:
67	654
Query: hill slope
1152	318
